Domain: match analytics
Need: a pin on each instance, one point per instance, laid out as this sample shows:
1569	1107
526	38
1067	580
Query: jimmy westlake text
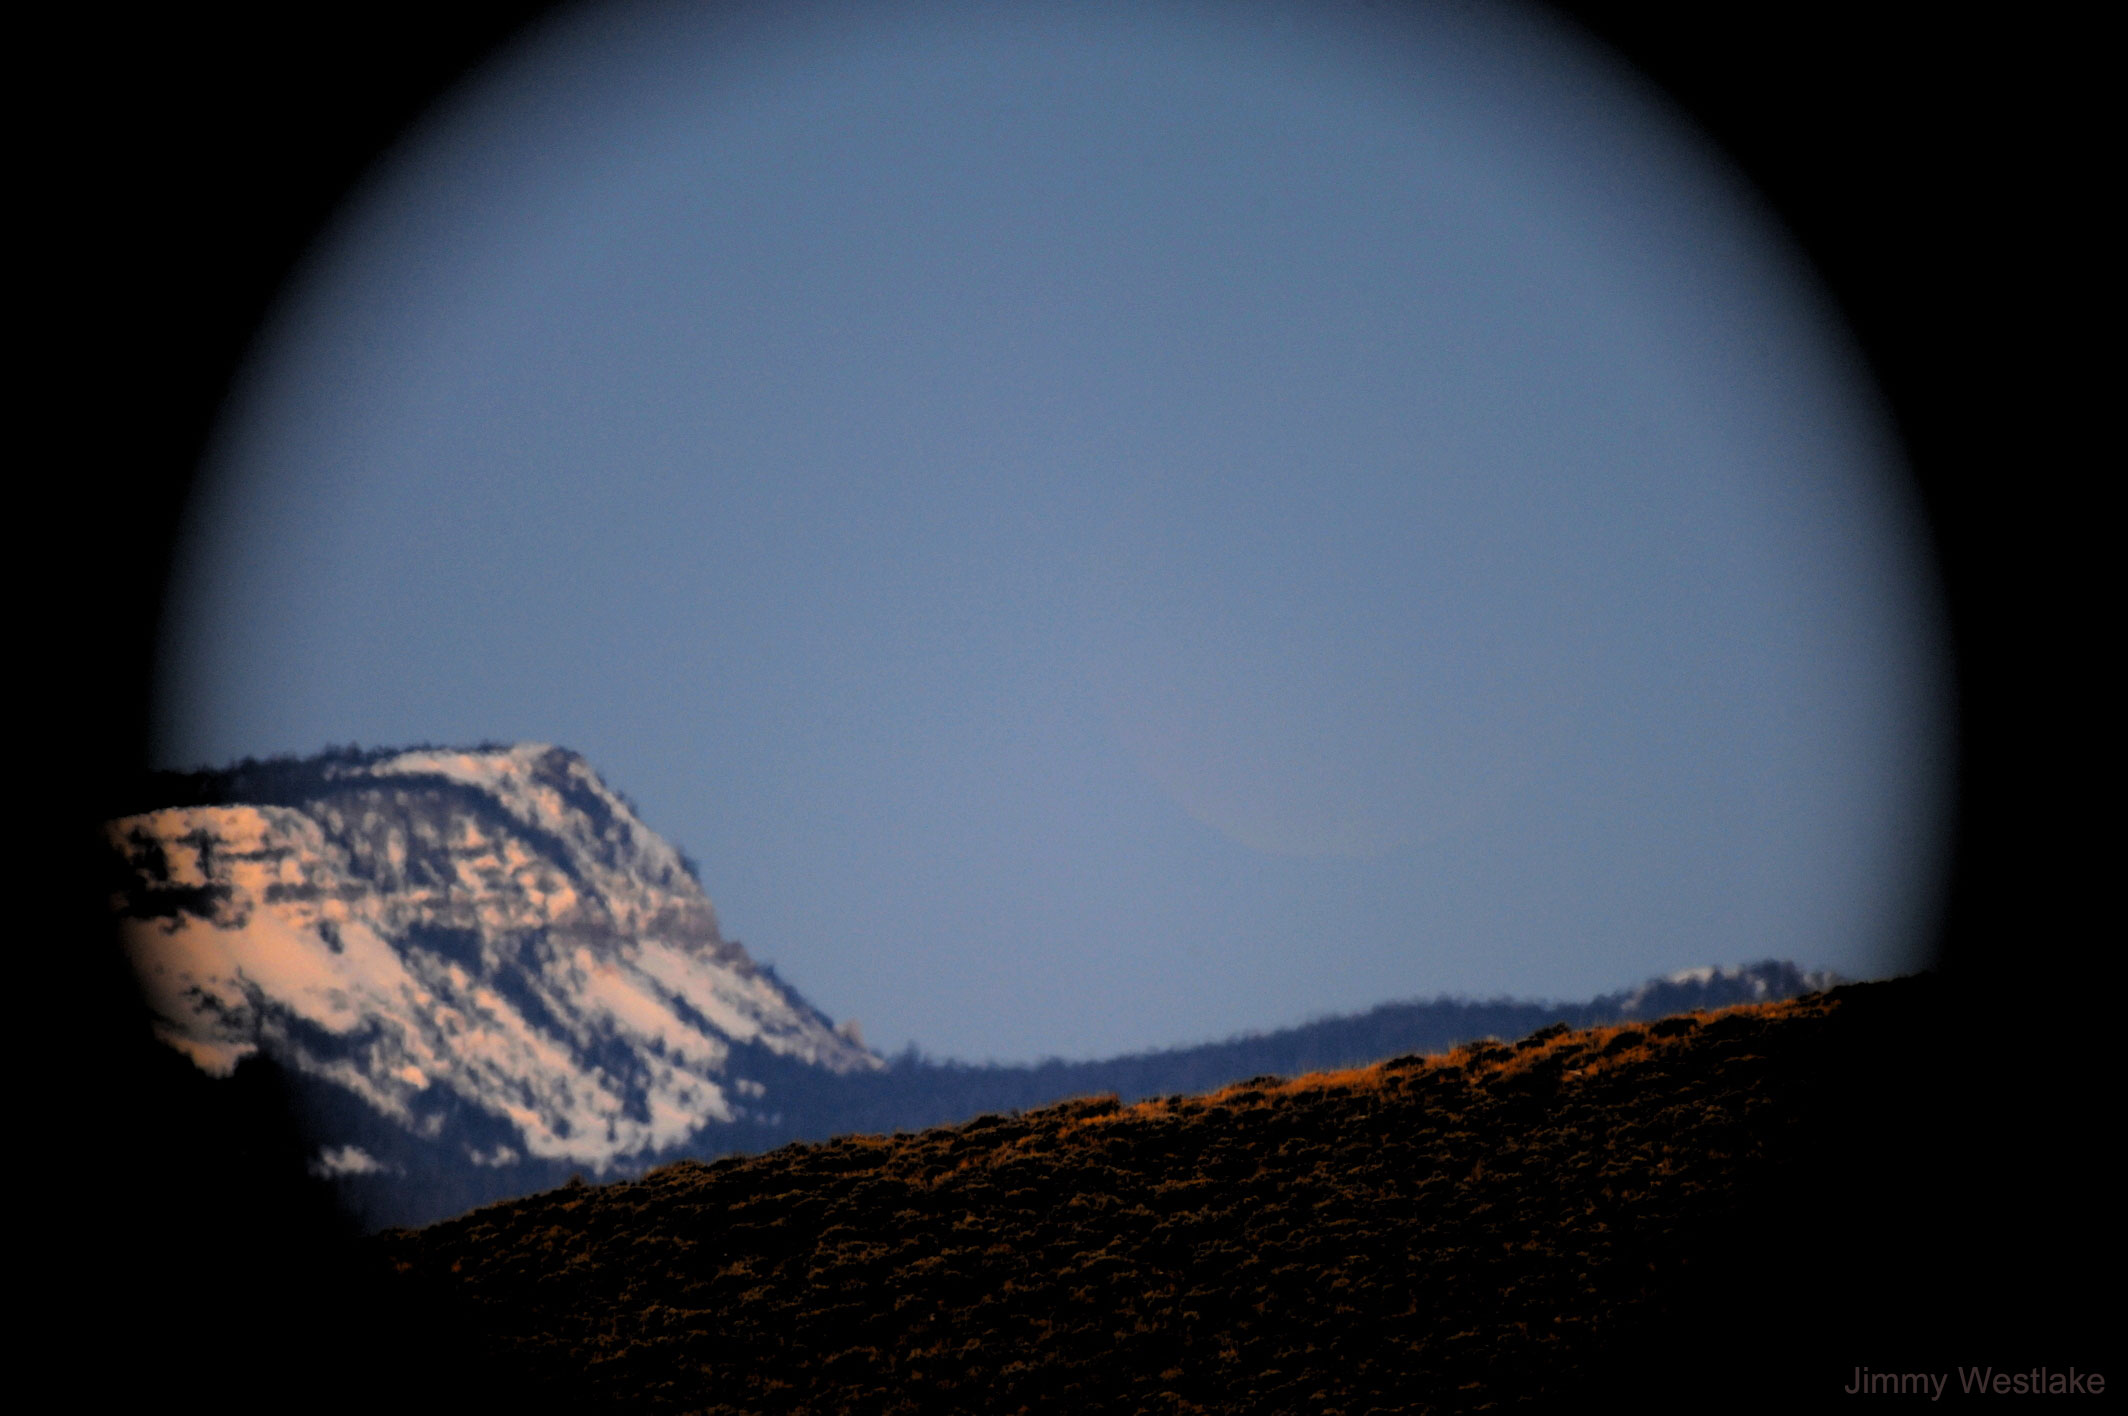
1977	1381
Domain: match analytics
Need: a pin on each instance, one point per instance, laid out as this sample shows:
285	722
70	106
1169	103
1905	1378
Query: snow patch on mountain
335	1161
437	929
1713	986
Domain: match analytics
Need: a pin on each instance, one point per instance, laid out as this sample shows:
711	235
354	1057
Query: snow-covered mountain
486	949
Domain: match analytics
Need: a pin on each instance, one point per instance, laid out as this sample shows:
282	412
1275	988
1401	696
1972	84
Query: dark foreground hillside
1663	1214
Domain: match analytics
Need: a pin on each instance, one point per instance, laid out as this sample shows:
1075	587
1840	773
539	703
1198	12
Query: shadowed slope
1582	1209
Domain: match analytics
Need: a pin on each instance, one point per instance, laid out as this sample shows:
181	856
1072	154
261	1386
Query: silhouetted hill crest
1625	1209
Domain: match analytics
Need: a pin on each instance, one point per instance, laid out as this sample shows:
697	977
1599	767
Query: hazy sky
1103	526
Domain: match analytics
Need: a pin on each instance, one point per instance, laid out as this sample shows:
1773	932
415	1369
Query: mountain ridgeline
476	973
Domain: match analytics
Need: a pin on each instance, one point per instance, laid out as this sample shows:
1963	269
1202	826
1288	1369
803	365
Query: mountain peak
481	946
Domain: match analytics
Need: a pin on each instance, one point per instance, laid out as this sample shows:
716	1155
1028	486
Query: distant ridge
478	972
916	1092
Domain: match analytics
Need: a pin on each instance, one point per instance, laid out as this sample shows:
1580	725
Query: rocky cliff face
483	951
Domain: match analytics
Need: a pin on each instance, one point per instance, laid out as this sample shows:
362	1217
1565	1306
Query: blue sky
1104	526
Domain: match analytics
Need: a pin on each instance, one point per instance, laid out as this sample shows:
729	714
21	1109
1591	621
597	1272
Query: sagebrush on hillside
1493	1225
